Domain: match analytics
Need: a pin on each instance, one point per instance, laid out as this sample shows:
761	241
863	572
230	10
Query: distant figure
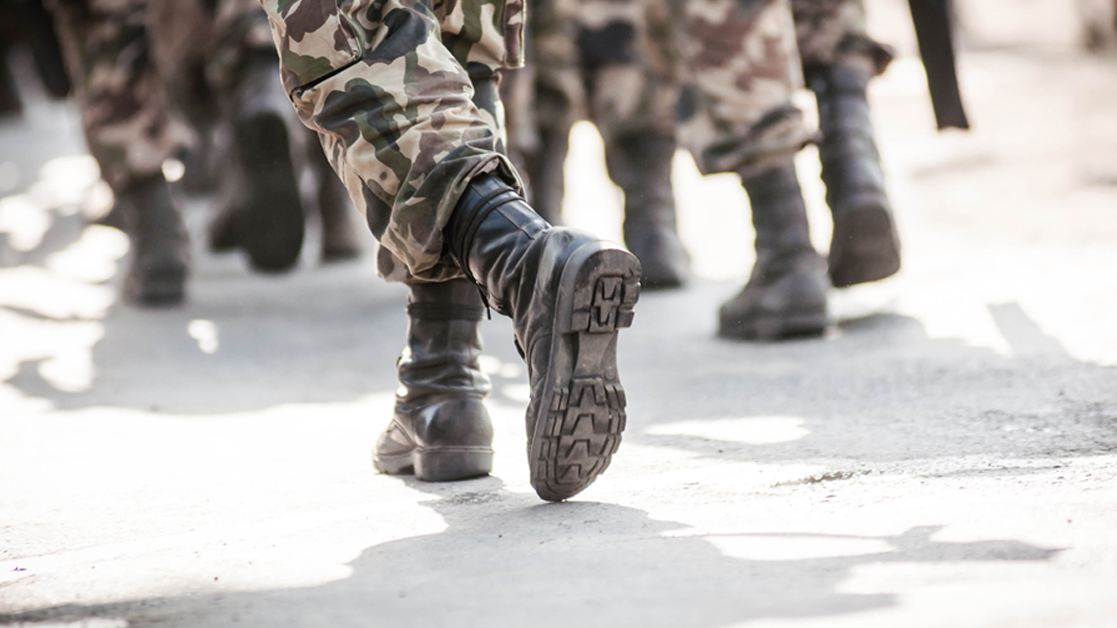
617	63
126	59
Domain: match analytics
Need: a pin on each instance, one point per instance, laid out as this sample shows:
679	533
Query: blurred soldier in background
608	61
218	60
130	130
127	57
612	62
404	99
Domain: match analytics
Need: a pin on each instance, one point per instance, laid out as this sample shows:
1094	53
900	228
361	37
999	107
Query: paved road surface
945	456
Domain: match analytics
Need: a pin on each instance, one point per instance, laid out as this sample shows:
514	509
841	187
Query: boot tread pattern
586	416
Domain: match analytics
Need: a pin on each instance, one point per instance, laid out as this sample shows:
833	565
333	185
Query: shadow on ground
507	560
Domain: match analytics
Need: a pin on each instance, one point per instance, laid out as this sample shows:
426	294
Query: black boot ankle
440	429
160	245
641	165
865	245
786	293
568	293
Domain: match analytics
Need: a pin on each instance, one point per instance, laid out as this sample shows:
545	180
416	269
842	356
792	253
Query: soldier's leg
394	108
543	100
839	59
130	131
736	115
632	97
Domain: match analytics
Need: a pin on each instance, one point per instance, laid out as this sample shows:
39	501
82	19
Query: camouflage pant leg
203	48
393	107
628	72
548	92
741	69
833	32
127	124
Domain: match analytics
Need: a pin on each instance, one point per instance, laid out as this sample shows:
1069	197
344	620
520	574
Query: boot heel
446	464
865	246
605	292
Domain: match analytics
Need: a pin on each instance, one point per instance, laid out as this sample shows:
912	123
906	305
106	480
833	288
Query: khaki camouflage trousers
136	65
129	127
387	86
614	62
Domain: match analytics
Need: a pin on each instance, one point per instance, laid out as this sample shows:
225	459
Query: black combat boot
568	294
440	430
261	210
641	165
786	294
865	246
160	245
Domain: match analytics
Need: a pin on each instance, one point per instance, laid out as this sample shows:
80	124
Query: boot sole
775	327
864	247
274	224
438	464
582	407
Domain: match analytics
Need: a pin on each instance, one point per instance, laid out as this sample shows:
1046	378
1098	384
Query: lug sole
274	225
775	327
582	409
864	247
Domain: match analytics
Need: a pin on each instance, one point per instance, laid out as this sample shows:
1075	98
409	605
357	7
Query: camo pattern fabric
387	86
128	125
740	69
207	41
832	32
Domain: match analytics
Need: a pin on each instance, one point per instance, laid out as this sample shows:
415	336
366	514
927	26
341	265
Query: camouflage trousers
389	87
137	65
614	62
129	126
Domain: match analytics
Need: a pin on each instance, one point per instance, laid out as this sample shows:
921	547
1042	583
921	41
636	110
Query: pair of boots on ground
786	294
568	293
260	205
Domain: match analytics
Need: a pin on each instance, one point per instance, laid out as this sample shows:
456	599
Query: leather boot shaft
848	152
490	234
779	216
443	344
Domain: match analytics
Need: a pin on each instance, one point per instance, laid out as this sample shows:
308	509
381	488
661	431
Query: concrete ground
945	456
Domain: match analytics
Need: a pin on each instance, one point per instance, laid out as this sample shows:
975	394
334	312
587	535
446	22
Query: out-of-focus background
944	455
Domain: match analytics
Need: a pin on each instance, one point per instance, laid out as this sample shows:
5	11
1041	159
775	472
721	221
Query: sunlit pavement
945	456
